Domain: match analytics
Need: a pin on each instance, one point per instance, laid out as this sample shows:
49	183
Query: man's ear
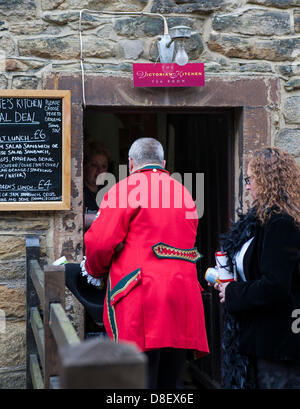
130	165
164	164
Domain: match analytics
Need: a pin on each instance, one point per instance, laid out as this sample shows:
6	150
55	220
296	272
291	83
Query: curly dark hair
277	183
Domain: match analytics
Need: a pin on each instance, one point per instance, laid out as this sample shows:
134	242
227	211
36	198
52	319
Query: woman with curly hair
261	341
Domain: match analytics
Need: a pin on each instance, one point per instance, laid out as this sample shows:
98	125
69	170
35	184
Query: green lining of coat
118	288
111	313
191	255
124	283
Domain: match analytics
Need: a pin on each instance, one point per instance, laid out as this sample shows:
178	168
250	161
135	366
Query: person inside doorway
153	296
96	161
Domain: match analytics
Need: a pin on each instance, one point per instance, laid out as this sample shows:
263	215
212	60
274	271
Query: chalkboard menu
34	150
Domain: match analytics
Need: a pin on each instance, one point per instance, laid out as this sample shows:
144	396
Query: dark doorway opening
199	141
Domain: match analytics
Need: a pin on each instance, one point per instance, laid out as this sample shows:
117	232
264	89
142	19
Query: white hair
145	151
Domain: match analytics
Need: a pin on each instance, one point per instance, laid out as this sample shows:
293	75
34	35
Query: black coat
265	302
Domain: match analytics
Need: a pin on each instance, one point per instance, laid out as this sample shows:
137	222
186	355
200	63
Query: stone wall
234	38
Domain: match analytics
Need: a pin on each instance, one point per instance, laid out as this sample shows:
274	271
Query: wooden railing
48	326
49	331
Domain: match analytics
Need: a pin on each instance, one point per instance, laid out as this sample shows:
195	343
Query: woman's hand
221	288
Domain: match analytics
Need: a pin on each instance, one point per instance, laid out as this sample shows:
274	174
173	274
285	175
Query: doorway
200	141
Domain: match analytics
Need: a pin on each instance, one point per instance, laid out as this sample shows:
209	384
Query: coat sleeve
276	267
106	233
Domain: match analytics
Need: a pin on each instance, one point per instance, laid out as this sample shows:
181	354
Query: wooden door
203	143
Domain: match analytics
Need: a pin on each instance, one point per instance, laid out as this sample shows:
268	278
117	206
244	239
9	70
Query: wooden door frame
255	100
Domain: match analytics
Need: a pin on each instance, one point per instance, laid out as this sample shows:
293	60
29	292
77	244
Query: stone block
291	110
12	269
71	249
70	67
7	44
284	4
256	129
147	26
11	247
229	91
254	22
64	48
194	46
12	344
116	5
139	26
63	18
88	20
292	85
133	49
18	64
64	4
27	224
126	67
107	32
14	9
50	47
32	28
12	302
111	5
289	140
13	378
24	82
191	6
255	67
3	82
254	48
289	70
297	21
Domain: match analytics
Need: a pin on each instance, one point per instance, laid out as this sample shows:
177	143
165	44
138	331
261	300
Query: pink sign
168	75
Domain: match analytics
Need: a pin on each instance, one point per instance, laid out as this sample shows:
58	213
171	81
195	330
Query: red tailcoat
153	296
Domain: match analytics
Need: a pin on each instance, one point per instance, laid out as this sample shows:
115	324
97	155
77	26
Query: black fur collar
240	232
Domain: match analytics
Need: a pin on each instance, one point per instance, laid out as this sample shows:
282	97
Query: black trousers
166	368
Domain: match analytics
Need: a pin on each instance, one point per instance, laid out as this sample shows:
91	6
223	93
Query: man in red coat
144	237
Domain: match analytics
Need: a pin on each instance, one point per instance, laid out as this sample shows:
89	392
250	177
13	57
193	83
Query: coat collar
153	167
